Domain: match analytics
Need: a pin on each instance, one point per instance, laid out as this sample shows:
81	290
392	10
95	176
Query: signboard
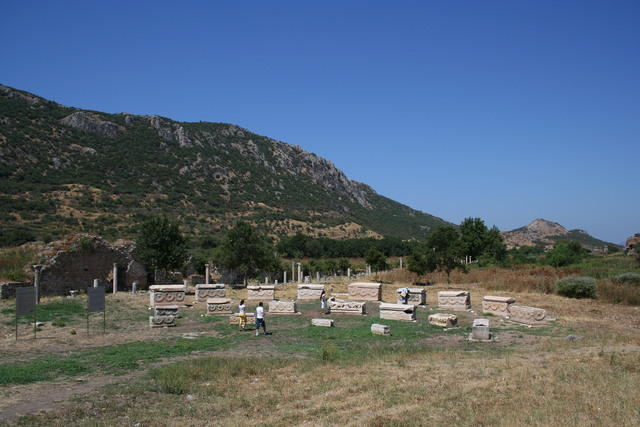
25	300
95	303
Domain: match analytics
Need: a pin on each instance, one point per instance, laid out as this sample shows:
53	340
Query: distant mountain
541	232
63	169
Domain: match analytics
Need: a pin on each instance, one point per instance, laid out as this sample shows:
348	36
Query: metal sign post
26	304
95	304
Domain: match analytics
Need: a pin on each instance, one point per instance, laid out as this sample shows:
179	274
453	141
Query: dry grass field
581	369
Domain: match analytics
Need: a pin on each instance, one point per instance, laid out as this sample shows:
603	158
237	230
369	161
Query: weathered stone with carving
344	296
234	319
327	323
261	293
206	291
361	291
282	307
497	305
527	315
406	312
417	296
480	330
346	307
166	295
165	315
217	306
454	300
379	329
443	320
310	291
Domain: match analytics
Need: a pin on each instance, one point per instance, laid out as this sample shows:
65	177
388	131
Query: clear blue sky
506	110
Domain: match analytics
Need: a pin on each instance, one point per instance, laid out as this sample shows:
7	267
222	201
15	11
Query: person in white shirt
242	314
260	319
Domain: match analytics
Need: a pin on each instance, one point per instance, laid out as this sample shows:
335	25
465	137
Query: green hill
64	169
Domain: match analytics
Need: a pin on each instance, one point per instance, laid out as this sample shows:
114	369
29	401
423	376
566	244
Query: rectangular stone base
162	321
379	329
328	323
443	320
405	312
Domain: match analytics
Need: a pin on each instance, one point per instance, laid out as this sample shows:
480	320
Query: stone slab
527	315
217	306
282	307
261	293
310	291
167	295
417	296
379	329
480	330
346	307
365	291
405	312
454	300
204	291
328	323
444	320
497	305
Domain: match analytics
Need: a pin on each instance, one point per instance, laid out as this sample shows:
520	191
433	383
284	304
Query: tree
376	259
564	253
447	249
473	237
421	262
245	251
160	244
494	247
344	265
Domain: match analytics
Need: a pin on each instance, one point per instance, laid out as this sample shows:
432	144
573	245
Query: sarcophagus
406	312
215	290
346	307
417	296
217	306
263	292
379	329
480	330
443	320
282	307
327	323
528	315
497	305
166	295
454	300
310	291
165	315
360	291
234	319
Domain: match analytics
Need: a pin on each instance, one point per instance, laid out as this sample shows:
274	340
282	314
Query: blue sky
506	110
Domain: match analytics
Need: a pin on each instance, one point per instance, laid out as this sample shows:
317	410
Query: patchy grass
60	310
14	264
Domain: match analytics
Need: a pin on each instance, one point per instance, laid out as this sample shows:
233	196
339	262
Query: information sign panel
96	299
25	300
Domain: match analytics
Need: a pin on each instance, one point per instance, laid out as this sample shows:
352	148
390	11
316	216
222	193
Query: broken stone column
454	300
480	330
443	320
364	291
206	274
405	312
285	278
379	329
115	277
96	283
349	272
299	273
327	323
497	305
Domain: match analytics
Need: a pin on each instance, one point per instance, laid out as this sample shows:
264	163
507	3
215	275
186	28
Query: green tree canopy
564	253
421	262
246	251
447	249
160	244
376	259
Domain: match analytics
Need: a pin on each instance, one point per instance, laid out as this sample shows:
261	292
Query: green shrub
628	278
577	287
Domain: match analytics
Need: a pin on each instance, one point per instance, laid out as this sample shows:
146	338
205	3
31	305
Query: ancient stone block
406	312
346	307
322	322
360	291
497	305
379	329
443	320
310	291
527	315
454	300
166	295
417	296
165	315
217	306
261	293
344	296
480	330
282	307
204	291
234	319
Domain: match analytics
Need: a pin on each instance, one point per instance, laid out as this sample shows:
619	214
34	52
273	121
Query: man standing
260	319
404	295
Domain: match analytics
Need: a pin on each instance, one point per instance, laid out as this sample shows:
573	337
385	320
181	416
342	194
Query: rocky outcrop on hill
541	232
632	244
92	123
